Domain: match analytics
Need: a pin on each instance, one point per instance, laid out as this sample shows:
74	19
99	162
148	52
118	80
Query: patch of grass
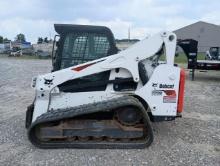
181	58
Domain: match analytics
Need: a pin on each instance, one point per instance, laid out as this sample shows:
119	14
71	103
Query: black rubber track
56	115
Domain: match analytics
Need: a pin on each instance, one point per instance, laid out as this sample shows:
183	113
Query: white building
125	43
45	47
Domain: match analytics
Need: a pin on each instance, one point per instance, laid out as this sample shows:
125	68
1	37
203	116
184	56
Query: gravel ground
191	140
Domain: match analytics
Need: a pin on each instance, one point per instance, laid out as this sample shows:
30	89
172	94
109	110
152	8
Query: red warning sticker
170	96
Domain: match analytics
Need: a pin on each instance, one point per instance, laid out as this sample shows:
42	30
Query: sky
35	18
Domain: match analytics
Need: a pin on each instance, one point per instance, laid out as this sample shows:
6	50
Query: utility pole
129	34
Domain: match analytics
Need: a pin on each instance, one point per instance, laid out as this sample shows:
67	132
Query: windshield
84	47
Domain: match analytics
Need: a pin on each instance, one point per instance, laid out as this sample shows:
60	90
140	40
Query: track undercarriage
116	123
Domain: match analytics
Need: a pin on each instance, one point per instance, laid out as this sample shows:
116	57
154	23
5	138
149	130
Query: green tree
1	39
40	40
20	37
46	40
5	39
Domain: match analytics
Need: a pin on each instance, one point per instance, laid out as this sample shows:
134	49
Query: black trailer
190	47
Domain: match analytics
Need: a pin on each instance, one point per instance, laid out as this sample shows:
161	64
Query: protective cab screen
83	47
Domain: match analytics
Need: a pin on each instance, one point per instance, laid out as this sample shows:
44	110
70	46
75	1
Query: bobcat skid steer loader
110	100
